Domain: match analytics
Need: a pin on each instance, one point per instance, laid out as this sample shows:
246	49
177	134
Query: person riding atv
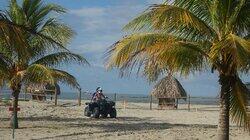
99	106
98	95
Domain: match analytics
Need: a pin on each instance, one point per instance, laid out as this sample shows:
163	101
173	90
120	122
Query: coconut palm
186	36
32	47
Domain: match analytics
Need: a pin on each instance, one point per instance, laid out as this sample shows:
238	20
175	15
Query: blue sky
98	24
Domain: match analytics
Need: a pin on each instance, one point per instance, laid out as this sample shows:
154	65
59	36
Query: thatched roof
43	88
168	87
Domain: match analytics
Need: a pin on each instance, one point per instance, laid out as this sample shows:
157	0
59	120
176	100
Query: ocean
127	97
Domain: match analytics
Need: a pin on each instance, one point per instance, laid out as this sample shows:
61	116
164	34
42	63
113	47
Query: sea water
142	98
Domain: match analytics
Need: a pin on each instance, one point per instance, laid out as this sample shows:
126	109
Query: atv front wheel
87	112
113	113
96	112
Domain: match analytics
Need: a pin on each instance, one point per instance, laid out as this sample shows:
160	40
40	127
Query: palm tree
186	36
32	47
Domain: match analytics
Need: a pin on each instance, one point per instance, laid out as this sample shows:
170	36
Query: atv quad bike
101	108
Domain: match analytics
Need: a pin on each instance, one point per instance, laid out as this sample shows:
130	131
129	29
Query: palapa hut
39	91
168	90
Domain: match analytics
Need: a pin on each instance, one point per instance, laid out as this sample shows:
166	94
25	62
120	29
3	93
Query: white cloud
99	27
106	18
93	47
155	1
88	11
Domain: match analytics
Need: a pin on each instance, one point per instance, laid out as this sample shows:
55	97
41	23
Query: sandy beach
42	121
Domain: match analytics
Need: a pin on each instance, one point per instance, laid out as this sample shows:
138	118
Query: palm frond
153	69
132	45
170	52
36	11
37	73
47	40
60	32
12	35
5	63
168	17
200	8
15	13
240	16
59	58
184	59
65	78
233	50
238	104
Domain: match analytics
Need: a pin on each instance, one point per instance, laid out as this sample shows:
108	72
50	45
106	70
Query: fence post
124	104
151	98
115	98
177	103
79	97
188	102
55	96
24	96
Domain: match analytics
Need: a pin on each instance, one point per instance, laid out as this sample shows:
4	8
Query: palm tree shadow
108	126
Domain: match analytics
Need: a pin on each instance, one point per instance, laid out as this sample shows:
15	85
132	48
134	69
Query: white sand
42	121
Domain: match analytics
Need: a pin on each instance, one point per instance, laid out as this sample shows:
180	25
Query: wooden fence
28	96
130	100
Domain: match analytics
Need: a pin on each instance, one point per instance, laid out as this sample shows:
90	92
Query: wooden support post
177	103
79	97
13	122
151	99
188	102
55	96
115	97
124	104
25	94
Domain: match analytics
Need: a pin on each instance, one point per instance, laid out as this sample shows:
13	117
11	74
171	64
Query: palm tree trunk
14	118
223	126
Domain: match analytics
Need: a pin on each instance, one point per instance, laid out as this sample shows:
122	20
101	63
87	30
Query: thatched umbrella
167	90
168	87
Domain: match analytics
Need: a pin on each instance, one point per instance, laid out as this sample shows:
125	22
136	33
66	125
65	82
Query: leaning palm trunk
14	118
223	126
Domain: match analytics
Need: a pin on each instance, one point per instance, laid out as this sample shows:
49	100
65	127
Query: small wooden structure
39	91
168	90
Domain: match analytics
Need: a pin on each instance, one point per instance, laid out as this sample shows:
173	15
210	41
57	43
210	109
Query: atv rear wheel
87	112
113	113
96	112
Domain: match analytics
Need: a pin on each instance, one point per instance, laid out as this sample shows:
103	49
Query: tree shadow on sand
108	126
63	119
